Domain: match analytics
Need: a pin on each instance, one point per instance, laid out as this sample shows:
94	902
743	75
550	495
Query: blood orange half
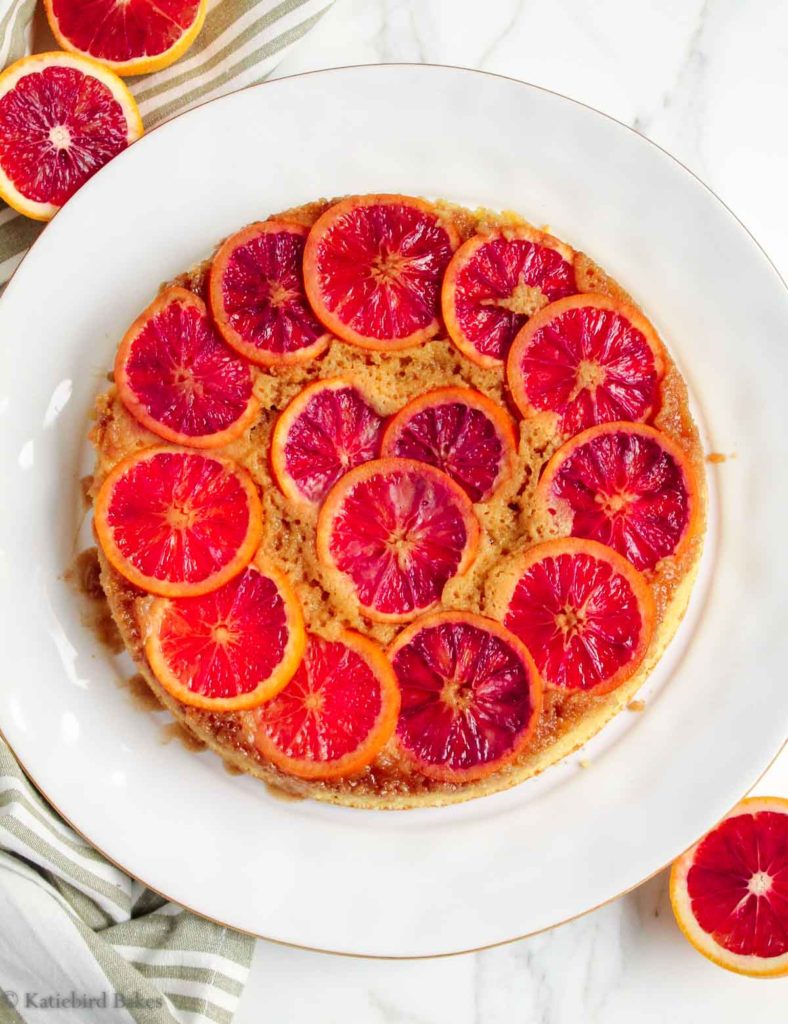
231	649
256	288
373	267
495	282
462	432
326	430
588	359
177	522
585	614
337	712
626	485
729	892
179	379
395	531
133	37
62	117
471	695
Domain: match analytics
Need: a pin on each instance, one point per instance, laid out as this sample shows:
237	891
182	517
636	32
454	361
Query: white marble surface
709	82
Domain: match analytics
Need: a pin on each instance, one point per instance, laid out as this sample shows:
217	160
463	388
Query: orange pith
729	892
63	18
350	671
157	358
158	507
471	695
433	427
215	639
406	276
394	532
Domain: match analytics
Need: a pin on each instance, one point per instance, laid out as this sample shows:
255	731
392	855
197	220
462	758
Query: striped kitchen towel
240	44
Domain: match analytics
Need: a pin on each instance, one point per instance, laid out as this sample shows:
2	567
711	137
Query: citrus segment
337	712
133	37
231	649
178	522
256	288
462	432
179	379
588	359
397	530
62	117
373	267
626	485
495	282
326	430
729	892
471	695
585	614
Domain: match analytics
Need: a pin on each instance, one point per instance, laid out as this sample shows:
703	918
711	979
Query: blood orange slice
584	613
373	267
588	359
495	282
337	712
256	288
133	37
179	379
177	522
326	430
471	695
396	531
231	649
462	432
62	117
729	892
626	485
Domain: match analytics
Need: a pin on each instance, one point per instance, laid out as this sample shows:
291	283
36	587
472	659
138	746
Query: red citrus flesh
626	485
471	695
336	714
462	432
588	359
585	614
397	530
231	649
373	267
729	892
495	282
178	522
179	379
326	430
256	287
62	117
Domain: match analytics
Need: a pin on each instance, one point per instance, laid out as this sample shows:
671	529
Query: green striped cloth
241	42
79	940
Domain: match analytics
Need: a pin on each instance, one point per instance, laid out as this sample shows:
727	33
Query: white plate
421	882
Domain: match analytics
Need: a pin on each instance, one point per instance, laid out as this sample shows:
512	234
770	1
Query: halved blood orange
256	289
626	485
62	117
471	695
588	359
373	267
729	892
177	522
397	531
326	430
495	282
459	430
585	614
337	712
133	37
231	649
179	379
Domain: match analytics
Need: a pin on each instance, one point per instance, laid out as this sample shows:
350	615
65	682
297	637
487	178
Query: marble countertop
708	80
